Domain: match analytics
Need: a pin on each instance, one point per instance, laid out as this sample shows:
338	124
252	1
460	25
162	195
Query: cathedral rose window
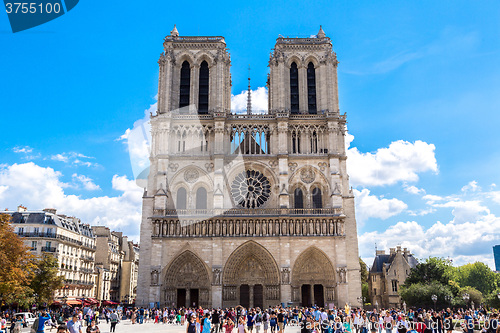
250	189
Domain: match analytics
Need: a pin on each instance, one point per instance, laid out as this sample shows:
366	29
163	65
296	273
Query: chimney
392	251
380	252
398	248
21	209
50	210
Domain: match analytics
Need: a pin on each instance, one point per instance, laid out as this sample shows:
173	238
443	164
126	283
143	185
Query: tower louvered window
185	85
311	88
203	88
294	88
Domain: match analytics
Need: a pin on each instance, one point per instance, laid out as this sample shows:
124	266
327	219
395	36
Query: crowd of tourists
270	320
62	320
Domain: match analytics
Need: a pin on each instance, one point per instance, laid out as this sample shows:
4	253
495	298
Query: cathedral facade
249	209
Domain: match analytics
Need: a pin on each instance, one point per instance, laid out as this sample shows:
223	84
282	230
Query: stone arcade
252	209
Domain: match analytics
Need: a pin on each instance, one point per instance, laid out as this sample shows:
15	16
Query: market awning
92	300
109	303
73	302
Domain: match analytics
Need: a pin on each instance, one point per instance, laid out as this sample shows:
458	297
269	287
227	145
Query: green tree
46	280
17	266
365	290
432	269
420	294
474	296
477	275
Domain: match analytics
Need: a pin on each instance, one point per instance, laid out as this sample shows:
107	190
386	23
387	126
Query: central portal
255	276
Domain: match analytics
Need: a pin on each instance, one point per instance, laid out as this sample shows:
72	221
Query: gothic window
395	286
181	198
201	198
317	200
298	199
203	88
314	142
185	85
311	88
294	88
250	189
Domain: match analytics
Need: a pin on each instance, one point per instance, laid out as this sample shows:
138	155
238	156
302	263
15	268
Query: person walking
191	324
207	324
93	328
114	319
74	325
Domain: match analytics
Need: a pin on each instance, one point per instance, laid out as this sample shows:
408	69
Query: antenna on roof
375	248
249	97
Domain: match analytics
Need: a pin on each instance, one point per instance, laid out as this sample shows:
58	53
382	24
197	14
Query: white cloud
87	182
259	101
459	241
27	152
471	187
370	206
421	212
465	211
401	161
38	187
413	189
24	150
74	158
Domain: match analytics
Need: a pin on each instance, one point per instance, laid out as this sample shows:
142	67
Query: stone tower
251	209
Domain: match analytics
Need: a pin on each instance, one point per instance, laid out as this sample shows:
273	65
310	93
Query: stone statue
285	275
154	277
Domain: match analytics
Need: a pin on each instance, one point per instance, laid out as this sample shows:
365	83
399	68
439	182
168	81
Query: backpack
259	318
34	327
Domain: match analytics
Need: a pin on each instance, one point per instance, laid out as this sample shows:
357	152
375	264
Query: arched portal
313	278
186	282
251	276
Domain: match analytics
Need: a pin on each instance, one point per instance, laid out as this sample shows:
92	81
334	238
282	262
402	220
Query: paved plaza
127	327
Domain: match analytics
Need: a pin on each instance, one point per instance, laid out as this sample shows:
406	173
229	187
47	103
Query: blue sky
420	82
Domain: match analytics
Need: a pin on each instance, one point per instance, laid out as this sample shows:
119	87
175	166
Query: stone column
188	297
312	294
302	89
251	296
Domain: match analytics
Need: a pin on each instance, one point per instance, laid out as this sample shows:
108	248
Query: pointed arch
264	271
312	266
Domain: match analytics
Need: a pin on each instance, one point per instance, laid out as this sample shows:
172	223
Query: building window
374	278
317	201
33	245
311	88
294	88
201	198
314	142
49	231
395	286
374	291
36	231
185	84
298	198
203	88
20	231
181	198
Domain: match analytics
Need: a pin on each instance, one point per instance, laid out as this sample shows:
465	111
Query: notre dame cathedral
249	209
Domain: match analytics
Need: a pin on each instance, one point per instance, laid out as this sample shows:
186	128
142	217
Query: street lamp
434	299
466	298
448	299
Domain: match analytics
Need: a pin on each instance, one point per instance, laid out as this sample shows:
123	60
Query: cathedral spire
174	32
249	97
321	33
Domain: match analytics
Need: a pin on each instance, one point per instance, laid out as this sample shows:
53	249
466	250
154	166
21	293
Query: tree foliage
46	280
477	275
364	270
18	265
432	269
420	294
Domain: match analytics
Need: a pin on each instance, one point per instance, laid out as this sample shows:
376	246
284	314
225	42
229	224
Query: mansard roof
382	260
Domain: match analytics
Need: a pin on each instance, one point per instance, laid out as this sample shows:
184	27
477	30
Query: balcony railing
87	258
49	249
337	211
